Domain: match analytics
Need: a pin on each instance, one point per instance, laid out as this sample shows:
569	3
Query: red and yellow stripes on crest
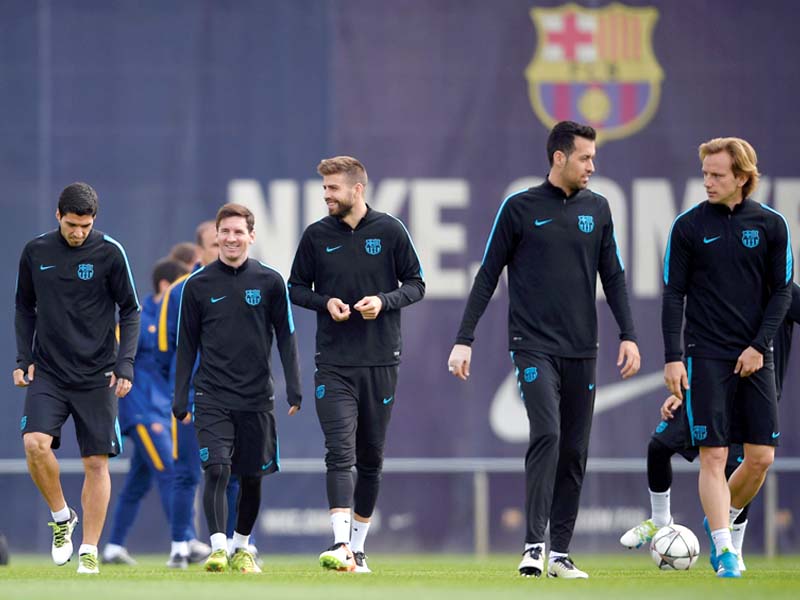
619	36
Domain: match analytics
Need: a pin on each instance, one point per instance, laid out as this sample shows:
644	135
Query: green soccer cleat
638	536
217	562
87	563
61	549
243	561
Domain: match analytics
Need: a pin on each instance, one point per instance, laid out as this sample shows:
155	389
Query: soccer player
232	309
669	438
347	269
554	238
145	418
70	284
186	253
730	259
185	547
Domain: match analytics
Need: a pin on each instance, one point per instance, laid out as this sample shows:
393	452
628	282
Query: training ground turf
410	577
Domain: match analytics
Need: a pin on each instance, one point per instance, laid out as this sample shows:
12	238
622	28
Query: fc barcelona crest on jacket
85	271
586	223
750	238
373	246
252	297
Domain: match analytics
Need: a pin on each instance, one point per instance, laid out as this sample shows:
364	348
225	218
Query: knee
370	464
95	466
760	460
546	441
340	459
37	445
713	458
218	474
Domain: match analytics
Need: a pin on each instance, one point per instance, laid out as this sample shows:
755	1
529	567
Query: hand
369	307
187	419
156	427
676	379
20	375
750	361
293	410
123	386
669	407
628	359
338	310
459	360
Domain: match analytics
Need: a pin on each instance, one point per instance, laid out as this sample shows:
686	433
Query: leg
749	477
94	497
187	477
249	504
577	407
337	410
43	467
714	493
215	502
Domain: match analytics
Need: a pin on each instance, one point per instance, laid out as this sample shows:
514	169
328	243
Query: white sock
734	513
554	555
61	515
722	540
179	548
112	550
87	549
240	541
660	508
737	535
360	530
219	542
529	546
340	521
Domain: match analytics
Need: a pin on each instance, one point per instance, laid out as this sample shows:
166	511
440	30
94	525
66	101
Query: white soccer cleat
198	551
563	568
361	563
638	536
338	557
61	549
118	557
532	563
87	563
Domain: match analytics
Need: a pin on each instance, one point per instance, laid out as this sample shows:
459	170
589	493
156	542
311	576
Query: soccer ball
674	547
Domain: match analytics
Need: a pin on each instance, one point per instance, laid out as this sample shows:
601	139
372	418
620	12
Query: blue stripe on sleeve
669	244
789	264
108	238
413	247
180	307
288	302
619	256
496	219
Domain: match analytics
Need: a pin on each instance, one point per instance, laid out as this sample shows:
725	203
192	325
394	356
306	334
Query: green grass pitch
410	577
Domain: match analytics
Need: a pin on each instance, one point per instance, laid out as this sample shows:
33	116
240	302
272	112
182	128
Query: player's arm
409	273
24	321
500	247
301	279
780	263
794	308
283	325
188	341
612	276
676	276
123	291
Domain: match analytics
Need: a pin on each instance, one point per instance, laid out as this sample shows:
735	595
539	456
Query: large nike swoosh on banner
509	421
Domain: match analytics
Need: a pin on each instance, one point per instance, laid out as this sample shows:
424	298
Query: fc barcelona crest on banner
85	271
373	246
750	238
595	66
252	297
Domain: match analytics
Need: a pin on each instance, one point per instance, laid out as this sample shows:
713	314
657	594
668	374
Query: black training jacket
335	261
66	303
554	246
734	268
229	316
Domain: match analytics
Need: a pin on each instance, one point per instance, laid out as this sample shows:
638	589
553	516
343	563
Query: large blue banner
171	109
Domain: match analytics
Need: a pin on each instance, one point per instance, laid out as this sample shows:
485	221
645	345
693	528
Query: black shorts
47	407
246	440
723	408
672	434
354	406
